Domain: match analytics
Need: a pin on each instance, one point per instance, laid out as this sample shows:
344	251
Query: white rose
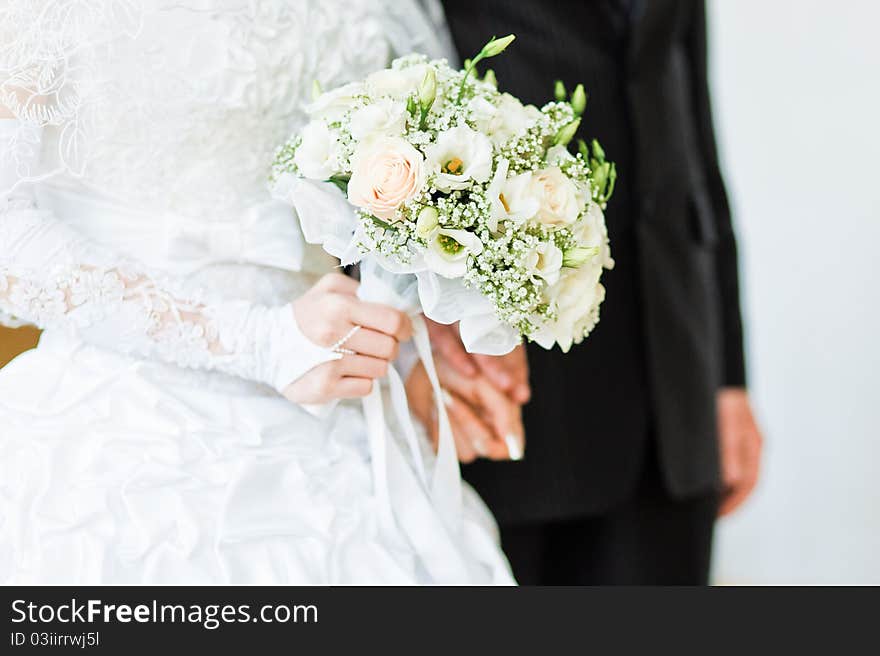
316	155
545	261
332	105
459	157
386	173
503	121
396	83
383	117
576	298
561	201
448	251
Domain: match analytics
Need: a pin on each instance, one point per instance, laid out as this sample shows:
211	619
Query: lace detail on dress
127	90
52	277
86	296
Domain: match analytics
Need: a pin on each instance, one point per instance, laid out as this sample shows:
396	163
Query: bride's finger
373	343
382	318
362	366
353	388
338	283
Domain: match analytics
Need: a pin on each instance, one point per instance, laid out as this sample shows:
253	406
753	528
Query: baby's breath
503	271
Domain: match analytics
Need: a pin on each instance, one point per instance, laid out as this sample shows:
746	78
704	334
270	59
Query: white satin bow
267	235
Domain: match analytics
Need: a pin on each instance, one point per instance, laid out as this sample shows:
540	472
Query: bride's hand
326	314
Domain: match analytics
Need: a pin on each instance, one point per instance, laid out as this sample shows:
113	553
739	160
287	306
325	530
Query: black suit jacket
670	333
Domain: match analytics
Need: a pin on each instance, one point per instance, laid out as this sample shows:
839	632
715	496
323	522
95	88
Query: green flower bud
600	175
559	91
427	221
497	46
428	89
579	255
612	180
579	100
490	78
566	133
583	150
412	106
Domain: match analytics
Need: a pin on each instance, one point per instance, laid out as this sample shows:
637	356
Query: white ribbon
444	487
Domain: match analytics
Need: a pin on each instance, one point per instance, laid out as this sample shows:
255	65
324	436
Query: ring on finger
338	347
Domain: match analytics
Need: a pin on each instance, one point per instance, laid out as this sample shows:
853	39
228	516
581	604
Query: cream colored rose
386	172
561	201
576	297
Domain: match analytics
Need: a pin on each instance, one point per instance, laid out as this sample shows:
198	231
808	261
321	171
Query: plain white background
797	105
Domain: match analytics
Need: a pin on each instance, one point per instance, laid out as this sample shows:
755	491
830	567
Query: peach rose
386	172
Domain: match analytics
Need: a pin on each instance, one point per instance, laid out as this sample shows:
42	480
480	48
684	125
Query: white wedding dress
144	440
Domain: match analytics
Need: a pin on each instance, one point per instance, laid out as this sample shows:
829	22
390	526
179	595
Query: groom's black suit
621	473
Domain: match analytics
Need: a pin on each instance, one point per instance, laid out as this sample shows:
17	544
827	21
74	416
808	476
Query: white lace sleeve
54	277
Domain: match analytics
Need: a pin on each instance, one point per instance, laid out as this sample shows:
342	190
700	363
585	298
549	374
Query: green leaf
340	181
379	222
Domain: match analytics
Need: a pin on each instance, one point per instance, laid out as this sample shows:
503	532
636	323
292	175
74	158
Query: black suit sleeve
726	256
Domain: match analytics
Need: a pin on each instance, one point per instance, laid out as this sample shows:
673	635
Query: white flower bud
427	222
428	89
579	255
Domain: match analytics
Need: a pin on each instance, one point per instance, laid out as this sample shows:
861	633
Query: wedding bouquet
426	170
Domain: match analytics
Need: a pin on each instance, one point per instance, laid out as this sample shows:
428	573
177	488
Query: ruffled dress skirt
116	470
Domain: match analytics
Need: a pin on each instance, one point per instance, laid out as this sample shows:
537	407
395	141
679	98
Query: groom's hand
509	373
740	444
485	422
